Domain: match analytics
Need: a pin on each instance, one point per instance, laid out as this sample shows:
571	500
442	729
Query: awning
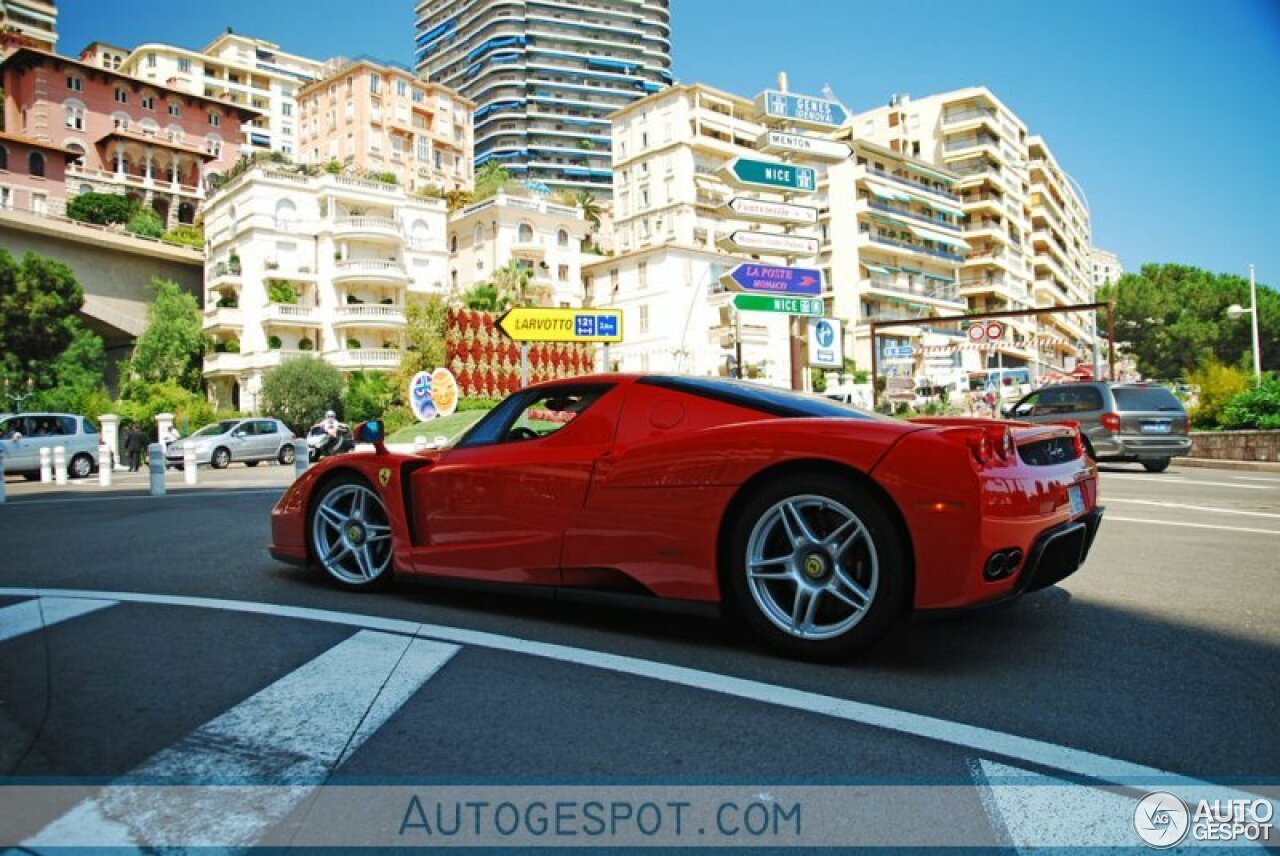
887	192
878	269
945	209
948	280
930	234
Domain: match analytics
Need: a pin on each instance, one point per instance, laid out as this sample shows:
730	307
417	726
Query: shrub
353	344
1218	385
333	167
102	209
396	418
187	236
279	291
1254	408
274	343
146	223
305	344
367	396
300	390
232	346
385	177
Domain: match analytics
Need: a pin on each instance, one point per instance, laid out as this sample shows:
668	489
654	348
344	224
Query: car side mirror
374	431
238	434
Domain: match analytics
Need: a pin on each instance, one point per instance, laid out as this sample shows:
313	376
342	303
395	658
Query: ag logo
384	476
1161	820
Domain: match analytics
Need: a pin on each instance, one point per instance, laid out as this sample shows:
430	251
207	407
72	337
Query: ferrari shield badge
384	476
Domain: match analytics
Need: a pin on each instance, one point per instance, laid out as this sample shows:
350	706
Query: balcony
915	248
291	314
364	358
370	270
223	318
914	185
958	120
362	315
919	218
937	293
223	364
366	227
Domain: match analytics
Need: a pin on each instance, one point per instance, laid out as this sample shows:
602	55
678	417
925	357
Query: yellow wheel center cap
355	534
815	566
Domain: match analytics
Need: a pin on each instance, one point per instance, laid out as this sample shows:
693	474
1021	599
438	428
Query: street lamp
1235	310
19	397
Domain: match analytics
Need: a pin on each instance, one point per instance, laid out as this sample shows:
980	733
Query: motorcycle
322	444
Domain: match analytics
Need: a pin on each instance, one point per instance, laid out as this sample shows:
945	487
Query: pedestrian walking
133	441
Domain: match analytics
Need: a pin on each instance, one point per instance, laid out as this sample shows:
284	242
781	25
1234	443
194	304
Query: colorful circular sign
433	394
420	397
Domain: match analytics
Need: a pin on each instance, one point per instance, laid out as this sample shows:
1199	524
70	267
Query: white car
246	440
23	435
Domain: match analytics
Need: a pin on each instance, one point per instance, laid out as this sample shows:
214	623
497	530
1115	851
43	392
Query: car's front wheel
1156	465
350	533
286	455
816	568
221	458
81	466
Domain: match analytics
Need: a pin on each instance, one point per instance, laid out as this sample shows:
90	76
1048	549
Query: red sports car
817	524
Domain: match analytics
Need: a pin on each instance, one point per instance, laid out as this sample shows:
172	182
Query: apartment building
384	119
29	23
148	141
319	265
239	69
542	237
973	134
1106	267
893	246
546	75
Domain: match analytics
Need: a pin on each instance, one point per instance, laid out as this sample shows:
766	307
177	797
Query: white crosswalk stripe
39	613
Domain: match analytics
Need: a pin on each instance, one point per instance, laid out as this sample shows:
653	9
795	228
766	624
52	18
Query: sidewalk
1239	466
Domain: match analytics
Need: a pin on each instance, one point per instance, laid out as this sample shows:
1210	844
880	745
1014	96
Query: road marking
17	501
1257	479
1183	525
1111	500
1036	811
982	741
32	615
1176	480
295	731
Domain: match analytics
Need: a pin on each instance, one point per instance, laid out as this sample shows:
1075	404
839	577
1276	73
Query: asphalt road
1160	653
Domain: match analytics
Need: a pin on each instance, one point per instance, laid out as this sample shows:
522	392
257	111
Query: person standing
133	440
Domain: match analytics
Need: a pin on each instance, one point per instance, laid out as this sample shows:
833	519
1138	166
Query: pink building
32	174
381	119
150	142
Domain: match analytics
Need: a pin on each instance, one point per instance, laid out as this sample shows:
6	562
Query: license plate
1076	497
1156	428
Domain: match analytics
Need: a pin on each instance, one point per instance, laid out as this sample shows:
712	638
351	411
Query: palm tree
485	298
590	209
512	283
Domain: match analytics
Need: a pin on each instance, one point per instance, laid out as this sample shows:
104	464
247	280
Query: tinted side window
67	425
12	425
89	427
1145	398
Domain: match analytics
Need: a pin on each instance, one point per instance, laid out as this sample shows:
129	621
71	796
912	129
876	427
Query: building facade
320	265
238	69
545	76
543	238
33	174
153	143
1106	267
382	119
33	22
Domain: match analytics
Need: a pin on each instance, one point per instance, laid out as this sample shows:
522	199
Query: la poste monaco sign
545	324
774	279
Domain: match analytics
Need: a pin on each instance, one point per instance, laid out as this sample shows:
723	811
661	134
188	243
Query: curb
1240	466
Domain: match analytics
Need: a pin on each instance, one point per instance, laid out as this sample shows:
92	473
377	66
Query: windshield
1145	398
216	428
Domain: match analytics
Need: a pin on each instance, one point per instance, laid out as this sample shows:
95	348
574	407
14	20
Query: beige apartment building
383	119
240	69
29	23
1106	267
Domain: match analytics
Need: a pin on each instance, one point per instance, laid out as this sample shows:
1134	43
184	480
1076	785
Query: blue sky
1165	110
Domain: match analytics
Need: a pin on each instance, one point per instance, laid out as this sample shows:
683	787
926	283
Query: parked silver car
23	435
1126	422
246	440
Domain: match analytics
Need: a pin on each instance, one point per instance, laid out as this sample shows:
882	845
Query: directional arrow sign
801	109
771	175
772	212
811	306
772	279
772	242
531	324
776	142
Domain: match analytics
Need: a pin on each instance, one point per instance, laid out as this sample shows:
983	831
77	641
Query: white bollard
189	466
155	463
301	457
419	443
104	465
60	464
46	465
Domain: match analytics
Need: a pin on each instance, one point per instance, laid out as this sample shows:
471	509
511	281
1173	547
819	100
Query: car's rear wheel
1156	465
286	455
816	567
351	534
81	466
221	458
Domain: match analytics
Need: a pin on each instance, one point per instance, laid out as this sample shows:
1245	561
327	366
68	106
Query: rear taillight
992	445
1111	421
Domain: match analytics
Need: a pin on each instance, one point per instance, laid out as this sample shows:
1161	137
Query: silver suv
23	435
1127	422
247	440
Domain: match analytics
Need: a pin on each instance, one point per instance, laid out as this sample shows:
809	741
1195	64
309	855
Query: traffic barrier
46	465
105	463
60	464
155	463
301	457
189	466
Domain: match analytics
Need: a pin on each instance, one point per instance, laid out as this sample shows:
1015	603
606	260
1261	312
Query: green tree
1255	408
39	299
170	348
367	396
145	222
1174	319
512	281
77	382
490	178
1218	385
102	209
424	333
590	209
300	390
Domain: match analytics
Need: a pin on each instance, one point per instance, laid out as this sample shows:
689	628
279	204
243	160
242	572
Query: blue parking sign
584	325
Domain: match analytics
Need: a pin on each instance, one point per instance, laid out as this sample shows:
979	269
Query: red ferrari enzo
817	524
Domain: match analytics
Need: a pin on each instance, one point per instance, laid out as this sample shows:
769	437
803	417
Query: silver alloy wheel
812	567
81	466
286	454
351	535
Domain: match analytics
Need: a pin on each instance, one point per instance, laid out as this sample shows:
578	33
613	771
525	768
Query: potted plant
274	343
233	264
353	344
305	344
233	346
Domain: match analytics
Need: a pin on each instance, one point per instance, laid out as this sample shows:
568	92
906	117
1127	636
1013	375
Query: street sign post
771	175
810	306
826	343
771	243
545	324
773	279
904	351
781	142
801	109
772	212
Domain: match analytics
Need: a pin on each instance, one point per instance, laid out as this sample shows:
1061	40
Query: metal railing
366	223
376	312
370	267
917	248
890	209
914	185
